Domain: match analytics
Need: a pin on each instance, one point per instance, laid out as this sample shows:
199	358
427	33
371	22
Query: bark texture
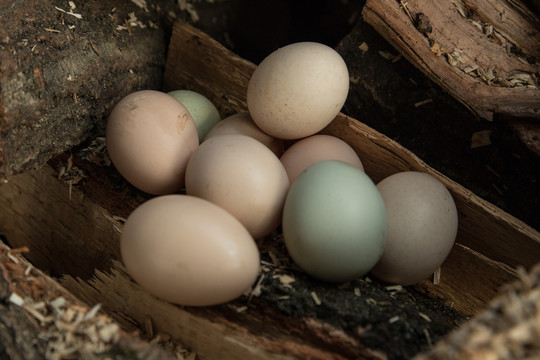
485	53
63	66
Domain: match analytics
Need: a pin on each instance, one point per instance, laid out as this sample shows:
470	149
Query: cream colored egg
422	227
316	148
188	251
242	176
298	90
242	123
150	137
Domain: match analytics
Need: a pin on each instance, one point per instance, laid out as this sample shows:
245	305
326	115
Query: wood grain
454	45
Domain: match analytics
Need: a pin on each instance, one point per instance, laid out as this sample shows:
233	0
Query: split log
65	64
39	319
484	53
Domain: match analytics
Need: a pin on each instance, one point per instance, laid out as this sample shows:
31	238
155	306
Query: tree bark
63	67
485	53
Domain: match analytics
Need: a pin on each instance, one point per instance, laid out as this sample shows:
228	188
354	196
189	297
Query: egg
202	110
334	222
242	123
310	150
244	177
150	137
297	90
188	251
422	227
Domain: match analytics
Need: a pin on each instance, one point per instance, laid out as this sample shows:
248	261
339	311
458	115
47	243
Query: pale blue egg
334	222
202	110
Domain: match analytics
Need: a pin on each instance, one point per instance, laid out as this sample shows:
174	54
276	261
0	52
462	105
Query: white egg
298	90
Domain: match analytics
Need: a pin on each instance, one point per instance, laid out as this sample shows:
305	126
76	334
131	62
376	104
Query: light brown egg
242	176
150	137
422	227
188	251
310	150
297	90
242	123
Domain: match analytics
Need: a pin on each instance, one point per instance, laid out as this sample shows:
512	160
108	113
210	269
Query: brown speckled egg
150	137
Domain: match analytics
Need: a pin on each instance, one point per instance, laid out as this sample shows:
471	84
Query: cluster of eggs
241	183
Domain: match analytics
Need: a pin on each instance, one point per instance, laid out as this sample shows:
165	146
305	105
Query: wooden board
70	213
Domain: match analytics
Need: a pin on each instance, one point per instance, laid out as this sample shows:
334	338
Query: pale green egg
334	222
202	110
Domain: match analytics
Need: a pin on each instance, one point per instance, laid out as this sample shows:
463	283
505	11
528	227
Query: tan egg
188	251
313	149
150	137
422	227
242	176
298	90
242	123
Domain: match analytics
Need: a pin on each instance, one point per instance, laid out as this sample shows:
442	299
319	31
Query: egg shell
334	222
422	227
242	176
202	110
308	151
242	123
150	137
188	251
297	90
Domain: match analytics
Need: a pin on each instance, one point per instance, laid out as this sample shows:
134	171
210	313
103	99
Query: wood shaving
428	338
424	316
423	102
185	5
286	280
437	276
78	16
141	4
16	299
394	288
315	297
387	55
96	152
363	47
393	319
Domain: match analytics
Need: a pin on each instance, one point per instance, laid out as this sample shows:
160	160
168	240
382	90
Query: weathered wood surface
39	319
484	53
62	69
72	224
492	334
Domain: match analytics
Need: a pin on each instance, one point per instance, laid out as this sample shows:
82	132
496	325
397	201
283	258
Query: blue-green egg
202	110
334	222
